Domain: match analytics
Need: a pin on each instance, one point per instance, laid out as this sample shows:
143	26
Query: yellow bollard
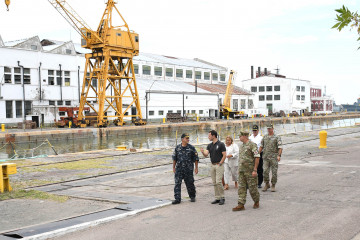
323	136
302	114
227	117
164	120
252	116
197	118
6	169
70	123
315	114
3	127
264	115
288	115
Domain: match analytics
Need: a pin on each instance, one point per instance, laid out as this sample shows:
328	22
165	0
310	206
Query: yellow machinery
225	109
6	169
109	76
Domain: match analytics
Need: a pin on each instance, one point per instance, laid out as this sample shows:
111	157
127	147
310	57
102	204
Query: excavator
109	66
225	109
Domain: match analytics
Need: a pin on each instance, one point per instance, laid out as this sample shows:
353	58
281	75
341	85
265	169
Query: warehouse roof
221	88
166	86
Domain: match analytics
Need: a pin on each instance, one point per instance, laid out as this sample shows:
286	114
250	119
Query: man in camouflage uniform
271	146
248	163
184	157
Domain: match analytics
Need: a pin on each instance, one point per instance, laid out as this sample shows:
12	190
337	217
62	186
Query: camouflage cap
270	125
244	133
185	135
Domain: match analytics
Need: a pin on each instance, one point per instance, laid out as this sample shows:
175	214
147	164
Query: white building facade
277	94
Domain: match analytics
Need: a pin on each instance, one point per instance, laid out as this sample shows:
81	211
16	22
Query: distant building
320	103
351	107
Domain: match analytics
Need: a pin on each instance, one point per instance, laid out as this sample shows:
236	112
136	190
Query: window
253	89
188	73
261	98
178	111
51	77
60	103
52	103
197	75
169	72
193	111
136	38
206	76
58	78
242	103
27	78
146	70
27	107
34	47
18	109
276	97
68	103
170	111
261	89
277	88
61	113
67	78
269	88
87	79
9	110
302	97
222	77
17	75
251	104
201	111
297	88
94	83
215	76
297	97
269	97
7	74
161	113
302	88
179	73
68	51
151	113
136	68
235	104
158	71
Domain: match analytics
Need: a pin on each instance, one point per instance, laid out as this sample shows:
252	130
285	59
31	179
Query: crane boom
229	90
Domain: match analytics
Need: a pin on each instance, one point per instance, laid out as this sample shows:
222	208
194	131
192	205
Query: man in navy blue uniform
184	158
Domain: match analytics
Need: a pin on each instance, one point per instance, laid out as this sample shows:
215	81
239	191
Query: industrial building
320	103
38	76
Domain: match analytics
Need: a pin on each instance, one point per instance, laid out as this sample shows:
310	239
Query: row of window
242	104
59	76
300	88
269	97
302	97
268	88
162	112
59	103
179	73
8	75
18	108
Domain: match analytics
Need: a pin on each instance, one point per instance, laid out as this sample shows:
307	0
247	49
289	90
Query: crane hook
7	2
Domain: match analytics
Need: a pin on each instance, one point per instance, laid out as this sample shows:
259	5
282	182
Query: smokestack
265	70
259	73
196	86
252	72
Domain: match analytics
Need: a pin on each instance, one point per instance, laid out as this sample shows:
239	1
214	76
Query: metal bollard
6	169
323	136
164	120
3	127
197	118
70	123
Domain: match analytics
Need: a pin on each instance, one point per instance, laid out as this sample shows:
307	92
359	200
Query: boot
266	187
273	188
256	205
239	207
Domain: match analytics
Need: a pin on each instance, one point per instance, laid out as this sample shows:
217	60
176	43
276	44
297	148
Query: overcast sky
294	35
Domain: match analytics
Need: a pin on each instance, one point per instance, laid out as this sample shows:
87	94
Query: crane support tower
109	79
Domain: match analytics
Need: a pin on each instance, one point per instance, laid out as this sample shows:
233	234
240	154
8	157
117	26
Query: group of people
248	165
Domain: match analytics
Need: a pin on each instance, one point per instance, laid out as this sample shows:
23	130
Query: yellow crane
225	108
108	68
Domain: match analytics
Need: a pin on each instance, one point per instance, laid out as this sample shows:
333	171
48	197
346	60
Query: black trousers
260	170
188	176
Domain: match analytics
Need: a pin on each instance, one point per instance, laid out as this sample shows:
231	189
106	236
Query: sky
295	36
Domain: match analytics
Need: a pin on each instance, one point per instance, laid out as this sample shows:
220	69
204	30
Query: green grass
32	194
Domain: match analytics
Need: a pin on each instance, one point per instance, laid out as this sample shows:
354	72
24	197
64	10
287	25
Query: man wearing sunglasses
184	158
257	138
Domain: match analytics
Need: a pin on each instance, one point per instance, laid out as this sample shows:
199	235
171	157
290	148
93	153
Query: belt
215	163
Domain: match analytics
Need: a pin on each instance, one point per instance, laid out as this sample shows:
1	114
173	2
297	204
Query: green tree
345	18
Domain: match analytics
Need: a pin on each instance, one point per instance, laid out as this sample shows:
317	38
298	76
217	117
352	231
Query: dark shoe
256	205
222	201
215	201
192	200
267	186
259	186
239	207
176	202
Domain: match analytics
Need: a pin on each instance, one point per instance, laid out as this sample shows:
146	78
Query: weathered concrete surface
318	197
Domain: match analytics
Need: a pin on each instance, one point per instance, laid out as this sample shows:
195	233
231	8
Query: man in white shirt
256	138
